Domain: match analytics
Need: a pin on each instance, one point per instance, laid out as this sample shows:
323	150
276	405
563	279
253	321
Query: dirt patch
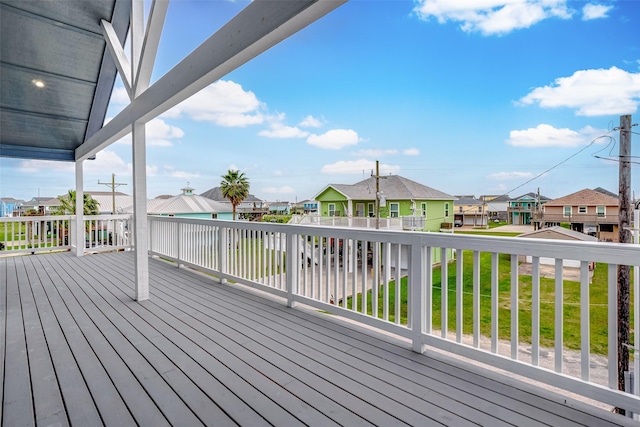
549	272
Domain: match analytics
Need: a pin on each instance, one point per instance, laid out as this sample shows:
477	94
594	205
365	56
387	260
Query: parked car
457	223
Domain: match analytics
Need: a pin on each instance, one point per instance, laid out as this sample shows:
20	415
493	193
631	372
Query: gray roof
533	195
604	191
394	187
215	193
60	45
571	234
467	201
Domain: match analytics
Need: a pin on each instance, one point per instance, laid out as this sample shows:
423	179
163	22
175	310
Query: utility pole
624	236
113	184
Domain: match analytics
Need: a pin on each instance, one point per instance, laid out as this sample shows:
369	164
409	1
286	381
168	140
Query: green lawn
571	333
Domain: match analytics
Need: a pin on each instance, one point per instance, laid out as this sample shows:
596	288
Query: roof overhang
56	77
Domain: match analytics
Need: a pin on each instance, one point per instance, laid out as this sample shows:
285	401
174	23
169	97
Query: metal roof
394	187
56	75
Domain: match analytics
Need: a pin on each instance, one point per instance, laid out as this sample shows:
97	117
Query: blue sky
468	97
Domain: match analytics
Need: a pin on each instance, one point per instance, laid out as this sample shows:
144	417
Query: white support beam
118	55
155	22
139	159
79	230
261	25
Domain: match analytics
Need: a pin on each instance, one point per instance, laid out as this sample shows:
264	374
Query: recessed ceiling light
38	83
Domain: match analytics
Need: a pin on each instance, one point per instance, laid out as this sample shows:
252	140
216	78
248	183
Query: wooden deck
78	350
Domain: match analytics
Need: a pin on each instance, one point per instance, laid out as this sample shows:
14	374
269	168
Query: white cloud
411	152
334	139
107	162
375	152
492	16
279	190
357	166
119	96
233	167
595	11
279	130
278	173
158	134
591	92
545	135
503	176
174	173
224	103
310	122
38	166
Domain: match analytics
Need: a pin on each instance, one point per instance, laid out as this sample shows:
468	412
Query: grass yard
571	332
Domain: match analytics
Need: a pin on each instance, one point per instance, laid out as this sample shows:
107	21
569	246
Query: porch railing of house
33	234
391	280
349	221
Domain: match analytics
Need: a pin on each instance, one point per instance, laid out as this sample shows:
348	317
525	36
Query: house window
371	210
582	209
460	209
424	209
332	209
601	211
446	209
214	216
394	210
567	211
606	228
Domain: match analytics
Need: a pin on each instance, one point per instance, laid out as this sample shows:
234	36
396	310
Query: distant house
279	208
522	210
496	206
469	211
586	211
189	205
41	205
8	205
251	208
309	206
418	207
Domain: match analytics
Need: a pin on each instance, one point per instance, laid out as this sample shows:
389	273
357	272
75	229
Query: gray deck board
78	350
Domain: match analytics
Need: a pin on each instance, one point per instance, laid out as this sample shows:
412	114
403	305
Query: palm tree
68	205
235	187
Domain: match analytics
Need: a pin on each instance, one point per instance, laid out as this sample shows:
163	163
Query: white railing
477	313
350	221
33	234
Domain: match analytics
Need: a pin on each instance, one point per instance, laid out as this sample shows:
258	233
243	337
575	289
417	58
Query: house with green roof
410	204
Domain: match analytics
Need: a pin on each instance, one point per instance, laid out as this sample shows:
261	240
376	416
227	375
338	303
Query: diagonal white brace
118	54
155	22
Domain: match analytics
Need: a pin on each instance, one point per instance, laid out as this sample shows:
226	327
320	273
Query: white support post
636	305
136	30
417	294
140	211
79	226
292	268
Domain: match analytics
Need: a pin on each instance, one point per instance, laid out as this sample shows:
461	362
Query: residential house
251	208
189	205
496	206
418	206
469	211
587	211
279	208
8	205
523	209
41	205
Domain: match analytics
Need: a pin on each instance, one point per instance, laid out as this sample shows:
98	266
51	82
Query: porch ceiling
56	77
